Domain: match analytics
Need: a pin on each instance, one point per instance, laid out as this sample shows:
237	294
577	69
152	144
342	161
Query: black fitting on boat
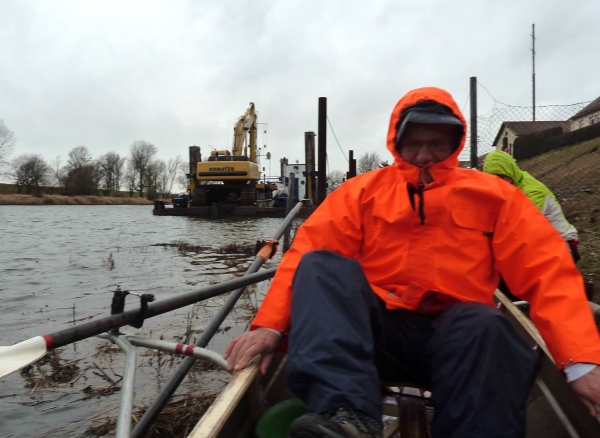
118	301
139	319
118	306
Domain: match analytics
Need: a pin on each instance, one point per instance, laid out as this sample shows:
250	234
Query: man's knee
326	271
465	322
325	267
324	260
475	329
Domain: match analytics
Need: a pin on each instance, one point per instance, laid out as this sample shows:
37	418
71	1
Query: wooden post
309	153
322	164
194	159
288	207
473	123
350	159
351	165
282	163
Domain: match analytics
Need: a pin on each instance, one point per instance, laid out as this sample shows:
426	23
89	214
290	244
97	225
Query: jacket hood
411	98
501	163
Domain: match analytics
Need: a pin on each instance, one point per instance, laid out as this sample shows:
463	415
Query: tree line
140	171
367	162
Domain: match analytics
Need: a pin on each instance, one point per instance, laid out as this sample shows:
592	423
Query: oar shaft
93	328
142	427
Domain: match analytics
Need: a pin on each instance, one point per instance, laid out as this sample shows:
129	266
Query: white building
589	115
510	131
300	178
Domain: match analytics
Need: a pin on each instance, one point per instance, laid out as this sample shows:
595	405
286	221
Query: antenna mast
533	65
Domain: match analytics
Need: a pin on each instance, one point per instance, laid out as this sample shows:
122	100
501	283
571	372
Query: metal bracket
118	306
144	300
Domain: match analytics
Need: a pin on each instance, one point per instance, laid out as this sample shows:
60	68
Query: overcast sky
106	73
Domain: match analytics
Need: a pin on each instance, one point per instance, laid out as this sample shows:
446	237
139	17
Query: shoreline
19	199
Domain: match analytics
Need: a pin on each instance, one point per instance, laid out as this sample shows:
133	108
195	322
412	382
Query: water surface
59	266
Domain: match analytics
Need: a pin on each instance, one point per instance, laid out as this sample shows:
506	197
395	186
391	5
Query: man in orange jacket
393	276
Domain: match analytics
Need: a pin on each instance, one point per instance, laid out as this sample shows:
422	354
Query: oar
24	353
142	427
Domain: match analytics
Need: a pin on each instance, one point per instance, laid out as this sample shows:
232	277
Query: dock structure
218	211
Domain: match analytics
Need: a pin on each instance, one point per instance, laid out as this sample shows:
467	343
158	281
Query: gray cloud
104	74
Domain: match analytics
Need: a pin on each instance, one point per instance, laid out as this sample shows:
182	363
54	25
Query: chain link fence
560	151
561	148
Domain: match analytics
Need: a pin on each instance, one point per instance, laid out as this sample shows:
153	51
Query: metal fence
562	153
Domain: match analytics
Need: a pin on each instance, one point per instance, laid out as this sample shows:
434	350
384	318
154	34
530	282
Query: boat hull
553	409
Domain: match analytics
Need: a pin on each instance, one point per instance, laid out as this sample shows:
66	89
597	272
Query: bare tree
173	167
130	180
141	156
7	141
162	175
29	172
81	173
110	167
79	156
155	178
367	162
182	178
335	178
162	179
57	175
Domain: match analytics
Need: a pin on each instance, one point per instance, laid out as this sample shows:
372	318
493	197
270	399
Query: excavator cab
230	176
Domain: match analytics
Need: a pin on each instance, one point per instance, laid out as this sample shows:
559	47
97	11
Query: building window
592	120
581	123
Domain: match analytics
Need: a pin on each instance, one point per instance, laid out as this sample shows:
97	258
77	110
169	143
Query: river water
59	266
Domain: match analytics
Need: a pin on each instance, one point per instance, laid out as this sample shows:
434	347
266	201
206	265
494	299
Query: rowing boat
250	403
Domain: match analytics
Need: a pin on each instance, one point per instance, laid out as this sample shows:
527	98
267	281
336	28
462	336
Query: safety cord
411	196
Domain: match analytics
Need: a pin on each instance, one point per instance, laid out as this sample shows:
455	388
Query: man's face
424	143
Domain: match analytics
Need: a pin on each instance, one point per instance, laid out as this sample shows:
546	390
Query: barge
218	210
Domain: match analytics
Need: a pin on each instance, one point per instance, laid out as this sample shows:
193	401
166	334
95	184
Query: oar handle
93	328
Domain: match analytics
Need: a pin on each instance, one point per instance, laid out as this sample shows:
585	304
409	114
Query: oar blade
20	355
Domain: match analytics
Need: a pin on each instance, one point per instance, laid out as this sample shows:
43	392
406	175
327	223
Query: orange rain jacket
476	227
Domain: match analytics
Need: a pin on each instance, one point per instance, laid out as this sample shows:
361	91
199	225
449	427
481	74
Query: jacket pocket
480	220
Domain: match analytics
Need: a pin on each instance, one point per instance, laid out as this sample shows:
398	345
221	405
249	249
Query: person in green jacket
504	165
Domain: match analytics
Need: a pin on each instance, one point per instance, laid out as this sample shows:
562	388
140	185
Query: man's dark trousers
343	343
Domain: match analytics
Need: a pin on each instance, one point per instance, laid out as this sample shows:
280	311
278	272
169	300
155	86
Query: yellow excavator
230	176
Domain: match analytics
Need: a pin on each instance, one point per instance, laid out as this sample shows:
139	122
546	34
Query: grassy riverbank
13	199
572	174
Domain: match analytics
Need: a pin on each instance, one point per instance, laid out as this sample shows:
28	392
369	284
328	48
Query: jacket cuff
271	330
578	370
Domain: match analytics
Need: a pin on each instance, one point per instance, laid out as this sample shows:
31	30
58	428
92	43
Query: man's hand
242	349
588	388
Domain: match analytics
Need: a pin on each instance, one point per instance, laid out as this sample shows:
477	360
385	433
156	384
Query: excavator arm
246	123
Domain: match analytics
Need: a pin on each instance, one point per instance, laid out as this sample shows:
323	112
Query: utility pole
533	65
